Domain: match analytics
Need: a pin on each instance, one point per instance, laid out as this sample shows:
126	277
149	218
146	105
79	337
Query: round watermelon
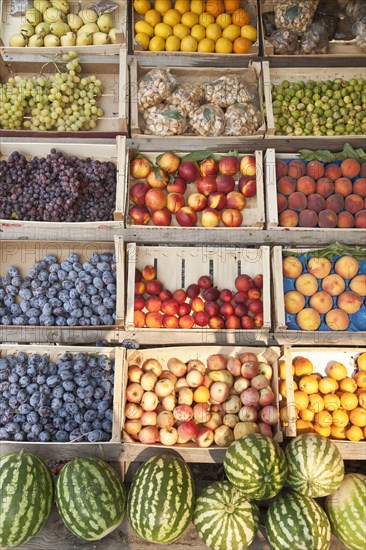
256	465
224	518
315	465
297	522
161	499
346	511
26	497
90	498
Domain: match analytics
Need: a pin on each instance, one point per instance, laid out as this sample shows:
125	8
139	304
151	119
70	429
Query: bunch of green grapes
63	101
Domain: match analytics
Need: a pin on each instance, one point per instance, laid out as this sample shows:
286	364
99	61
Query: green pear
68	39
112	36
105	22
18	41
59	28
51	15
84	39
89	28
35	41
100	38
41	5
50	41
74	21
61	5
33	16
42	29
88	16
27	29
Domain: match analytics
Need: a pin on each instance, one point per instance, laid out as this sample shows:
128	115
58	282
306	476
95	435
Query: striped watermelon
26	497
161	499
315	465
346	510
224	518
297	522
256	465
90	498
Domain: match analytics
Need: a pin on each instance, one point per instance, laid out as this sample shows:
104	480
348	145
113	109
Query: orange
328	385
303	427
316	403
340	418
215	7
282	370
338	432
201	394
354	433
348	384
242	45
223	45
301	400
361	361
224	20
331	402
323	419
308	384
302	366
231	5
324	431
240	17
337	371
349	401
360	378
283	389
307	415
358	417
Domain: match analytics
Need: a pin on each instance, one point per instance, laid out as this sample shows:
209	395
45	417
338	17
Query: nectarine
232	218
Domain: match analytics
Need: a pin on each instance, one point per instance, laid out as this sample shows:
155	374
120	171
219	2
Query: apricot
349	301
358	284
325	187
307	284
360	378
232	218
291	267
334	284
327	218
281	168
286	185
319	267
358	417
321	301
308	319
347	267
359	187
294	301
308	218
296	169
332	171
156	199
306	185
350	168
354	433
353	203
335	202
327	385
288	218
337	319
186	217
139	319
161	217
345	219
316	202
297	201
360	219
281	202
343	186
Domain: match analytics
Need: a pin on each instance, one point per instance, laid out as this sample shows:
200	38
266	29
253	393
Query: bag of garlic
290	14
242	119
165	120
207	120
188	97
154	87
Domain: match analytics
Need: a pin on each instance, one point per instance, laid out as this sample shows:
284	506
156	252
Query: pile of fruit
68	293
196	26
208	192
213	401
322	108
325	294
66	399
200	305
49	23
332	404
318	194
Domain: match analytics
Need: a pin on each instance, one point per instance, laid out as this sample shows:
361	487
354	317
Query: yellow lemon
163	6
224	20
197	6
190	19
249	32
180	31
188	44
172	44
146	28
172	17
198	32
231	32
213	31
205	19
152	17
157	44
141	6
163	30
206	45
143	39
223	45
182	6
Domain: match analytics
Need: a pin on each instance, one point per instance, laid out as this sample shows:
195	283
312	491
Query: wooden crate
100	151
10	25
277	75
253	214
194	75
337	48
271	201
321	358
190	451
66	451
284	335
114	101
249	5
23	255
178	267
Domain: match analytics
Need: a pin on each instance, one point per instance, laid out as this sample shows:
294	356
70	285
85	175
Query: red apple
133	411
139	302
216	322
153	287
250	397
256	306
250	369
184	309
204	437
232	322
149	401
135	373
197	304
170	307
149	435
219	392
183	413
241	310
212	308
180	295
226	310
187	431
201	412
258	281
240	297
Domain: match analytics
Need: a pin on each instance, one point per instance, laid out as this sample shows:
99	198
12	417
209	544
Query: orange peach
350	168
334	284
347	267
337	319
321	301
308	218
232	218
296	169
286	185
281	168
327	218
307	284
297	201
359	187
332	171
315	169
316	202
308	319
349	301
360	219
345	219
292	267
353	203
325	187
306	185
294	301
288	218
343	186
358	284
319	267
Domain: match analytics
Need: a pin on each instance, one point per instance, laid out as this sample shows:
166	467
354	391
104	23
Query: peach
177	186
207	185
297	201
308	218
347	267
169	162
319	267
247	186
307	284
187	431
288	218
360	219
226	310
248	166
153	303
343	186
139	319
346	219
201	318
358	284
229	165
316	202
169	402
139	214
138	192
296	169
186	217
140	168
349	301
217	200
197	202
250	397
154	320
189	171
286	185
133	411
333	284
201	412
350	168
150	401
321	301
134	392
174	202
315	169
170	321
133	427
353	203
325	187
294	301
153	287
209	167
335	202
332	171
337	319
236	201
232	218
216	322
281	202
197	304
148	380
281	168
210	217
186	321
149	435
306	185
359	187
291	267
363	170
205	437
156	199
308	319
327	218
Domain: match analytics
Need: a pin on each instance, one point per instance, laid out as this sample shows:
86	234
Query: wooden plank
64	451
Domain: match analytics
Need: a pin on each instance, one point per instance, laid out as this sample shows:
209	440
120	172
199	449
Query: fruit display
90	498
214	399
66	399
201	304
214	26
83	190
26	488
224	518
52	23
330	401
325	289
61	101
345	509
161	499
297	521
66	293
199	189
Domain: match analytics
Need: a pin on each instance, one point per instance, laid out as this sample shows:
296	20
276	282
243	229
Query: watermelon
297	522
161	499
90	498
346	511
256	465
26	489
315	465
224	518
